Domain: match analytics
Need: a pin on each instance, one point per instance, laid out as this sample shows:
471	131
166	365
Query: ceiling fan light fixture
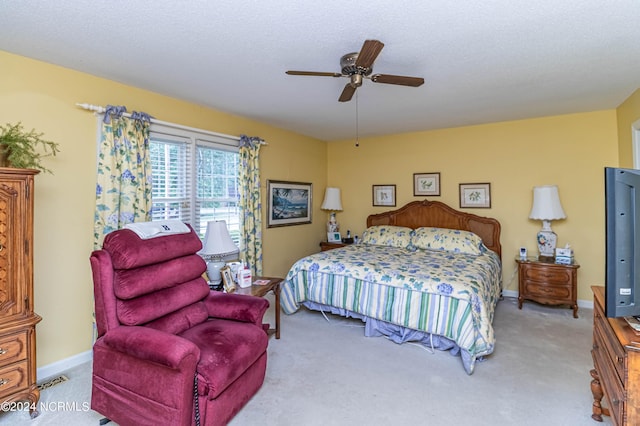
356	80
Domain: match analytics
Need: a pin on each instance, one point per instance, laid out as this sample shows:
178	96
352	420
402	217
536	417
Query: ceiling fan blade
314	73
397	79
347	93
369	52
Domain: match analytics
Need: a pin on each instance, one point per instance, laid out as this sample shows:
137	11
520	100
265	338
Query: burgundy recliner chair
170	351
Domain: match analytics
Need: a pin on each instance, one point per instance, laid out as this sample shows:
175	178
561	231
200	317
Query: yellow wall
628	113
569	150
43	97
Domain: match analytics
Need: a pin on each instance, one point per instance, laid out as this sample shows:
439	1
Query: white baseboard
510	293
58	367
587	304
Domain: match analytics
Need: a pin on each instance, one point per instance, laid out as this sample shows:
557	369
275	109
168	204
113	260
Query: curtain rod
101	110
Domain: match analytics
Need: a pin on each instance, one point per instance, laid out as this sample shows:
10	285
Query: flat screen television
622	210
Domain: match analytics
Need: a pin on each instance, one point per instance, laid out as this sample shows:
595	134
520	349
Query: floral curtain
250	203
123	189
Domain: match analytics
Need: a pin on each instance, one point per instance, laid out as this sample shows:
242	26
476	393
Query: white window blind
171	171
195	178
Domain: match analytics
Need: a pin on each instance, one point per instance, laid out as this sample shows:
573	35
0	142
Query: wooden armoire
17	318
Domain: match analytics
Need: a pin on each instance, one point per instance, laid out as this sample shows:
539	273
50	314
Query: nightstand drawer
548	274
13	378
13	348
560	292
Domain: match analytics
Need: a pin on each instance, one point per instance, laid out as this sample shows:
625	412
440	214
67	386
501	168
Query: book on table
634	323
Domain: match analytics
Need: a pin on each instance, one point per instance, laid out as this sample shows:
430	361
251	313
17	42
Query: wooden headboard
439	215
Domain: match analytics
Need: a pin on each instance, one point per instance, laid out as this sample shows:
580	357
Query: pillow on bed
453	240
387	235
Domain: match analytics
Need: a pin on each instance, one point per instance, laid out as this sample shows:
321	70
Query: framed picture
384	195
334	237
475	195
289	203
227	279
426	184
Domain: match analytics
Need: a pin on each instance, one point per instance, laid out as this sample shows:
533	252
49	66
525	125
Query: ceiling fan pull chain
357	133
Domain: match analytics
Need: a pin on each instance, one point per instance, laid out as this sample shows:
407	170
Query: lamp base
332	225
213	271
547	243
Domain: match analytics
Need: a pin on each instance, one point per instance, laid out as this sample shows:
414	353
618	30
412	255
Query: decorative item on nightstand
218	247
564	256
332	203
546	207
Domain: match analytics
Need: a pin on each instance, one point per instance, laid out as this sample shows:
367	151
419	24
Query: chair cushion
227	350
154	305
181	320
130	283
128	250
157	279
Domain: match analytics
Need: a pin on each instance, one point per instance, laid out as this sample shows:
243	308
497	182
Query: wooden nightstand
324	245
546	282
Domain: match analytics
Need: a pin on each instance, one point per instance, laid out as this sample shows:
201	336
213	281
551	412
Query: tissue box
564	260
564	252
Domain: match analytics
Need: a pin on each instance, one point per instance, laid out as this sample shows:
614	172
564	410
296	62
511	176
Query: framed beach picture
289	203
475	195
384	195
425	184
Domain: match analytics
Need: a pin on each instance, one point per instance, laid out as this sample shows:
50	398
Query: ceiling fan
357	66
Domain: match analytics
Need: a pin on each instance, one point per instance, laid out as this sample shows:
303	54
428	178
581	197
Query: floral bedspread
440	292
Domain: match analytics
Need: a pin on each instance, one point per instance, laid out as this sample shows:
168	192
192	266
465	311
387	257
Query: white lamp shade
546	204
217	241
332	200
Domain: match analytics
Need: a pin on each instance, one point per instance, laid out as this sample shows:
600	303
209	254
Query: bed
424	272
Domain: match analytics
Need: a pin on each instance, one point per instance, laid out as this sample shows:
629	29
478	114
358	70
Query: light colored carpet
327	373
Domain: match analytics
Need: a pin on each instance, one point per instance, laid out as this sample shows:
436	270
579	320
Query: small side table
324	245
260	291
547	282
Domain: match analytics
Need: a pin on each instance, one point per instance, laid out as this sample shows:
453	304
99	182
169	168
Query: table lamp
332	203
217	246
546	207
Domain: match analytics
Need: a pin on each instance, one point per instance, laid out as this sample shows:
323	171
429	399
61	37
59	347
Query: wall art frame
426	184
475	195
289	203
384	195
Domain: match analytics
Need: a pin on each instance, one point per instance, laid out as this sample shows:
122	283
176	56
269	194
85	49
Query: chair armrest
152	345
236	307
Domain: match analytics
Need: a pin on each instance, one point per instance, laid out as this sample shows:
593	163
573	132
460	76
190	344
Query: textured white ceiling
482	61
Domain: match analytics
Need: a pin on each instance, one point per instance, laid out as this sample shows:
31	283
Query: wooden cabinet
547	282
616	361
17	319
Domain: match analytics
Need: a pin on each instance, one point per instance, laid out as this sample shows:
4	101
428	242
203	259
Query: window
195	177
